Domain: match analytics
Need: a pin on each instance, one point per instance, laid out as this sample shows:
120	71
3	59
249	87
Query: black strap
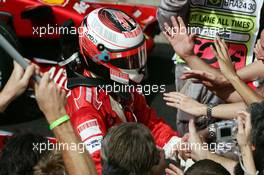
87	81
94	82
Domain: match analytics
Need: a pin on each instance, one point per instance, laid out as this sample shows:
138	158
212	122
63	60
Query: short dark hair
257	115
207	167
50	164
19	156
129	149
257	120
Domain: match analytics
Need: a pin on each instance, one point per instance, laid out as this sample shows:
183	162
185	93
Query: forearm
248	95
251	72
228	111
77	162
227	93
225	111
197	63
5	100
248	73
248	160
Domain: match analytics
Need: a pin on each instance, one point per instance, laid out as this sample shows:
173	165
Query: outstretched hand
223	57
210	80
51	98
16	84
179	38
184	103
19	80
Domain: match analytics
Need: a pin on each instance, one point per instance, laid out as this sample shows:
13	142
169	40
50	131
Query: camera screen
225	132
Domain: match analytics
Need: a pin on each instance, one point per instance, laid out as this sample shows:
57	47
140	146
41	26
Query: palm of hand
183	45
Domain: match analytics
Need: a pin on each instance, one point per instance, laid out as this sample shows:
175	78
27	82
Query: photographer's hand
201	153
244	129
244	141
197	151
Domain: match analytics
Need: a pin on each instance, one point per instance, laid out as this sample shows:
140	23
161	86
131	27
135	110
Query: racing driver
113	51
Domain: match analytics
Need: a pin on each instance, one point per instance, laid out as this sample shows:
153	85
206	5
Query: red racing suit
92	115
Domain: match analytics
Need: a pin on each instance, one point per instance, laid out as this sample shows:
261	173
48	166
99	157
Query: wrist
245	147
54	115
5	100
63	131
188	57
233	78
224	81
203	110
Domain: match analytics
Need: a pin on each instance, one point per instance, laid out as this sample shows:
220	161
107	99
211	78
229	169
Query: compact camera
223	131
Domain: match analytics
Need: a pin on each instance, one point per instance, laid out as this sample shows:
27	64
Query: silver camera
223	131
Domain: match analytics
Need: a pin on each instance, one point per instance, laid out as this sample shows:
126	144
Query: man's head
113	45
257	115
51	163
206	167
19	156
130	149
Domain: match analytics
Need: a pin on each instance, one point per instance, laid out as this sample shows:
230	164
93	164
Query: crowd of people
118	133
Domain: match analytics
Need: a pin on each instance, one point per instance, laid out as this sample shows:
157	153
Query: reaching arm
251	72
77	162
16	85
177	36
190	106
226	66
51	100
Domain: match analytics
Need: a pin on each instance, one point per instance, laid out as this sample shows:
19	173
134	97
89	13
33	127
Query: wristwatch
210	107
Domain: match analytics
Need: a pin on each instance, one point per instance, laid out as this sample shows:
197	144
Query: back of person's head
129	149
206	167
19	155
257	120
50	164
257	115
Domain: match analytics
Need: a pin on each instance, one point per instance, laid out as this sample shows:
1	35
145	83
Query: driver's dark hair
207	167
19	156
129	149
